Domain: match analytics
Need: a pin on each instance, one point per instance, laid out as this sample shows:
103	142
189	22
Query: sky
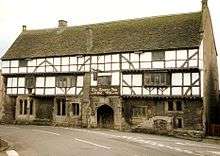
38	14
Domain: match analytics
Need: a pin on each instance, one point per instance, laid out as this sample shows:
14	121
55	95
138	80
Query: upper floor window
104	80
157	79
65	81
29	82
158	56
23	63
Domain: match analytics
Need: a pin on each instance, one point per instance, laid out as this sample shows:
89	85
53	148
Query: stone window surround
174	106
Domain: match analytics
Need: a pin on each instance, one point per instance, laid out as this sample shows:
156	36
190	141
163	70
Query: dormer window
23	63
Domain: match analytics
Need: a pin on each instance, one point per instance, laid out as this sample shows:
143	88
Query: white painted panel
170	64
104	74
78	90
14	91
73	60
80	60
94	59
71	91
14	63
87	60
193	63
40	61
57	61
176	91
185	89
134	57
145	56
125	65
65	60
177	79
50	82
101	59
94	67
49	68
8	91
31	69
187	79
14	70
115	58
22	70
14	82
101	67
56	68
49	91
137	90
195	90
32	62
50	60
170	55
136	65
192	51
195	76
115	78
181	54
9	82
93	83
59	91
39	91
154	91
145	91
73	67
160	92
107	67
126	91
107	58
39	81
167	91
41	69
5	70
21	90
115	66
21	82
137	80
158	64
125	57
5	63
180	64
87	67
127	79
79	81
145	65
65	68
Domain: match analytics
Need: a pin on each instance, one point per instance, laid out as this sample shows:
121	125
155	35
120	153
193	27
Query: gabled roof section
152	33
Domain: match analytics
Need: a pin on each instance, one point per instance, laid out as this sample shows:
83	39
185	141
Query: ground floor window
23	107
179	123
75	108
170	106
61	107
138	111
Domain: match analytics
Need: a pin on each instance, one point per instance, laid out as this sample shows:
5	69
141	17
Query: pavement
32	140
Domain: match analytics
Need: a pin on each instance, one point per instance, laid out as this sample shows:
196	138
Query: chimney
62	23
204	3
24	27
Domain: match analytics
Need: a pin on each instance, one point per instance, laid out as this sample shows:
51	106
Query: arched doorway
105	117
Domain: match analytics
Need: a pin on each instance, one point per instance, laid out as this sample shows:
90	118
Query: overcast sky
38	14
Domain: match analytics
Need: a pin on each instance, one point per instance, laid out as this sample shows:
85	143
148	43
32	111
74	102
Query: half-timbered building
157	73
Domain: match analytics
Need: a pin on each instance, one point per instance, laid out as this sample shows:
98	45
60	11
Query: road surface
60	141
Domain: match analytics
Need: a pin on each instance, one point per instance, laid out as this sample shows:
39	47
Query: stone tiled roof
152	33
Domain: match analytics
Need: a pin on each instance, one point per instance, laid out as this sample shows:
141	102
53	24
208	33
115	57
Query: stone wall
158	118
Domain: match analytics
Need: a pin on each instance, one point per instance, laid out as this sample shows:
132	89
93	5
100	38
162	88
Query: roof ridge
111	22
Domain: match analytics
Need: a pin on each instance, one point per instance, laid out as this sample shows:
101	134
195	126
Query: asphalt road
61	141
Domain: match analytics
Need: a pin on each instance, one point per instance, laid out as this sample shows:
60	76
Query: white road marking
48	132
12	153
91	143
214	152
